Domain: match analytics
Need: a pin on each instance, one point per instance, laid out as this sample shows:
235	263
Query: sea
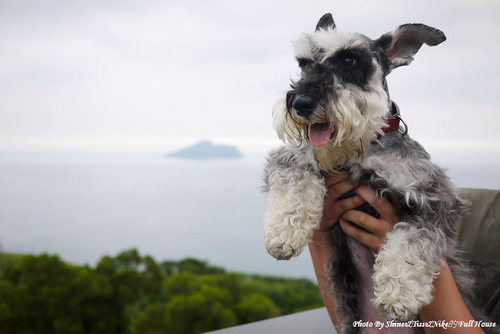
85	205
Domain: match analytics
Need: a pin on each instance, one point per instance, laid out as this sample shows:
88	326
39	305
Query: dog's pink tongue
320	133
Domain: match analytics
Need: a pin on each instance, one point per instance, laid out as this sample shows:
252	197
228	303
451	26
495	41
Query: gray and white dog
338	115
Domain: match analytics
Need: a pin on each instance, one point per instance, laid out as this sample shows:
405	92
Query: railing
311	322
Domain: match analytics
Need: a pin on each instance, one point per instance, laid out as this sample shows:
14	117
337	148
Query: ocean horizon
83	206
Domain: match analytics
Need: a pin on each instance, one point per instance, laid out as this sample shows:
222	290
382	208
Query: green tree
183	283
45	295
228	281
204	310
47	281
152	320
130	293
290	295
14	302
93	297
192	265
151	276
255	307
136	281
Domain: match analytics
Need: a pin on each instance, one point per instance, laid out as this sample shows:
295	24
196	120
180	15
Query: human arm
447	305
321	255
321	247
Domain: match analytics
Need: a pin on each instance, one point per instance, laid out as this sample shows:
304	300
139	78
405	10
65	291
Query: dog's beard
358	118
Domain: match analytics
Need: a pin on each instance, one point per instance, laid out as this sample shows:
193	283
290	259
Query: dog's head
341	101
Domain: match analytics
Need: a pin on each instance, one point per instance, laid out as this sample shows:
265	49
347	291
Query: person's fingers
338	185
377	227
370	240
363	227
384	208
336	178
337	190
334	208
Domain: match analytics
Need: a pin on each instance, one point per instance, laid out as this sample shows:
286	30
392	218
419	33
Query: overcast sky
158	75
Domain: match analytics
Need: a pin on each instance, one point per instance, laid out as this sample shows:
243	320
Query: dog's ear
405	41
325	22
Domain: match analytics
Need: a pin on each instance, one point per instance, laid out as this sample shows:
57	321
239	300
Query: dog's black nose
304	105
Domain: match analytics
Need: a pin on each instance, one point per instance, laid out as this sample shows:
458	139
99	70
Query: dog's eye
303	62
348	61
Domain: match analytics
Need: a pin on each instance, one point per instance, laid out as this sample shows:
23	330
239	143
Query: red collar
394	121
392	124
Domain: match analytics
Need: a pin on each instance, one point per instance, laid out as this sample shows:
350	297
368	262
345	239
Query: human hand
337	185
377	227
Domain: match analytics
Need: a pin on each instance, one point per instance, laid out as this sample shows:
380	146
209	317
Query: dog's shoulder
396	161
395	144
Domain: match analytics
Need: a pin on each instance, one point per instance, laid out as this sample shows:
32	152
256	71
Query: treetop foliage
131	293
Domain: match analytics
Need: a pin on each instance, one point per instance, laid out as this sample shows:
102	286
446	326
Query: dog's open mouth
320	133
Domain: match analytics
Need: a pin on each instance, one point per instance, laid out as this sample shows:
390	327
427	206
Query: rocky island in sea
205	150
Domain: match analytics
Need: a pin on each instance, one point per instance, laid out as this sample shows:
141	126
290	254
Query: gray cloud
154	75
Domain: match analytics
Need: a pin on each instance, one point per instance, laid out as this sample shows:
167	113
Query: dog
339	116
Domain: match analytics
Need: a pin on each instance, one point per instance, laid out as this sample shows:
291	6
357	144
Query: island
205	150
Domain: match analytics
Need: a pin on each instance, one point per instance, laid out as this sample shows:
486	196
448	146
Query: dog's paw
284	244
402	280
399	304
284	251
293	213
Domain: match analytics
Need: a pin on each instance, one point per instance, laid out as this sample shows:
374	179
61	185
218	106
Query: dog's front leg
295	194
405	269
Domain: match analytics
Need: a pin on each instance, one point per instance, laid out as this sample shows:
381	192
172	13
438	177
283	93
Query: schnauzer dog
338	116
